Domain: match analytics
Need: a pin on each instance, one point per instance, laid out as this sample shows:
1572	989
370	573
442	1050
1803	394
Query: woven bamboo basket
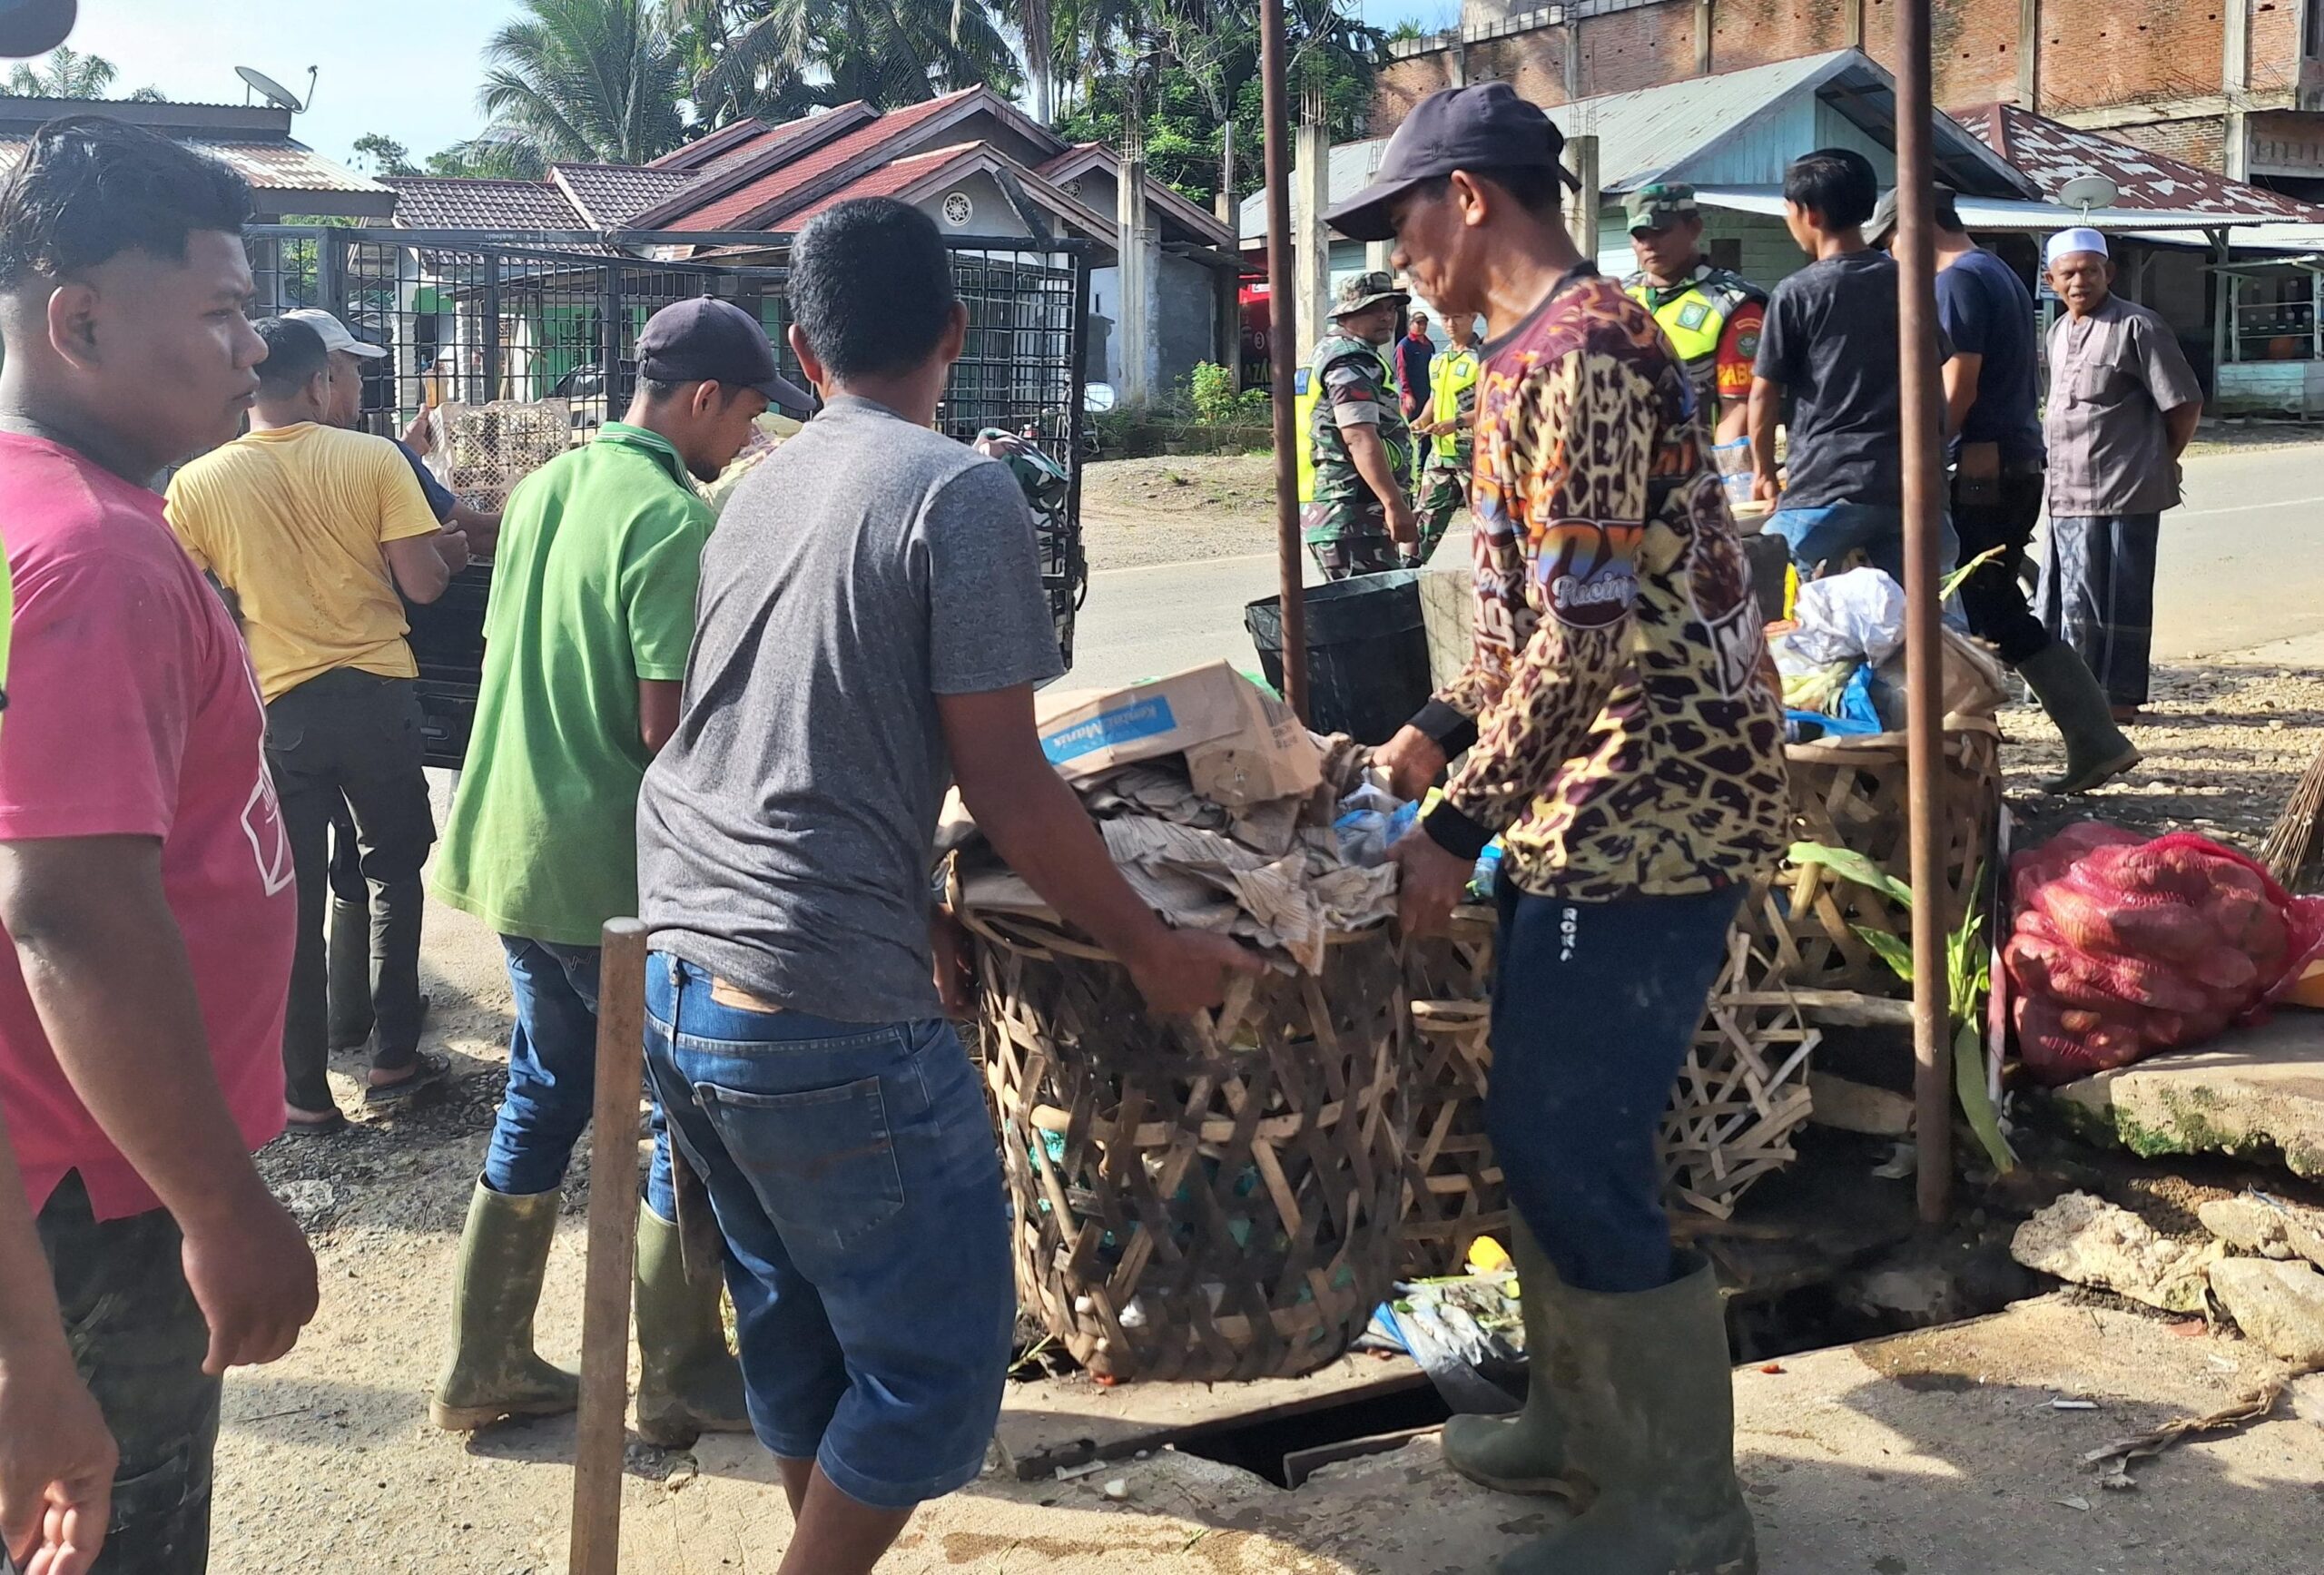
1453	1193
1853	795
1739	1096
1207	1197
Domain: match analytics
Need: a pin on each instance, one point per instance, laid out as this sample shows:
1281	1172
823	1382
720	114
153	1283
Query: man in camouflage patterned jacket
1359	518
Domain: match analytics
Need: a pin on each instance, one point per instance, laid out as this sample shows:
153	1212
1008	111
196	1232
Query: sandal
329	1126
428	1070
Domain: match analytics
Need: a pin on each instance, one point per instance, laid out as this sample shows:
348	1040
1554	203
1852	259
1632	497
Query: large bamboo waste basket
1207	1197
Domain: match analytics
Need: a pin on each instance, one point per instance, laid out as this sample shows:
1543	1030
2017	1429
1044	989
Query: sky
408	68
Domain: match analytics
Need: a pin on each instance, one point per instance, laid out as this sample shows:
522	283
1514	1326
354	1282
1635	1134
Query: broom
2290	851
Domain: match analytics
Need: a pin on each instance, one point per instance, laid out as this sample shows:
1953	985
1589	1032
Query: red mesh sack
2123	948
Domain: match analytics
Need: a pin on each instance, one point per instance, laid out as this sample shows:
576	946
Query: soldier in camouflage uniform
1447	422
1359	518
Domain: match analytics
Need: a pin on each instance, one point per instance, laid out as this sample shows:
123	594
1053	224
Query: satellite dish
2088	191
273	92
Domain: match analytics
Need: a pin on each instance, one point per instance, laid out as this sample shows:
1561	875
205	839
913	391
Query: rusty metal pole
1282	326
1923	408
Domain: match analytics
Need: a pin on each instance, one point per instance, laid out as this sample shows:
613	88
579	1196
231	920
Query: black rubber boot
493	1373
1653	1437
1524	1453
2097	751
688	1381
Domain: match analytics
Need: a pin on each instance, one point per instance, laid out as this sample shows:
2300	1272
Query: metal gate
474	316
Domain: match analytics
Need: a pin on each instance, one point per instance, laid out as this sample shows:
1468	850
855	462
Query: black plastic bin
1367	652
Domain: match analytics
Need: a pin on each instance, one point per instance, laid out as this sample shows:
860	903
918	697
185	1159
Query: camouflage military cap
1365	290
1657	206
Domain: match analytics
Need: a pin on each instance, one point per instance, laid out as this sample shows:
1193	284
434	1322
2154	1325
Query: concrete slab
2257	1092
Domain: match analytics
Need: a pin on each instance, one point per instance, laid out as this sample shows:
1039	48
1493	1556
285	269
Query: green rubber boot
493	1373
688	1383
2097	751
1524	1453
1653	1435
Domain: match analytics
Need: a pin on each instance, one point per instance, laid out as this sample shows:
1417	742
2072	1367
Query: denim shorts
856	1179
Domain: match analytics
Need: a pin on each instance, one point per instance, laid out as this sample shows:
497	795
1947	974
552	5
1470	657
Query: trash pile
1463	1330
1841	658
2125	947
1222	812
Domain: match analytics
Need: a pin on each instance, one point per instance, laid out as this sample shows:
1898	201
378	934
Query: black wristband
1452	732
1454	832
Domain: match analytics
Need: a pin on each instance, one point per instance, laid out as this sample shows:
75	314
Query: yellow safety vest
1693	321
1305	391
1448	375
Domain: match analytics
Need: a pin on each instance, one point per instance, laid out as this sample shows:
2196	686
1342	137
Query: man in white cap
315	530
2124	404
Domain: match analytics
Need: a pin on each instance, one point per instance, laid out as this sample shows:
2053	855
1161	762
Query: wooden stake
612	1250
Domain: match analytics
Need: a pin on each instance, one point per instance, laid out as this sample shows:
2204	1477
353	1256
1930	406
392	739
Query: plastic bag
2122	947
1857	616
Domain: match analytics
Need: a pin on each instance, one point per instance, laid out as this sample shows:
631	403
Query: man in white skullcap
2123	403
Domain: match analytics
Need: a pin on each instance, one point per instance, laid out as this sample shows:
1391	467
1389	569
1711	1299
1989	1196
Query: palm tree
787	56
594	80
69	73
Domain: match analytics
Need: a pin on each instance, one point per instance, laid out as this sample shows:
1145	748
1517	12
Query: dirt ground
1180	508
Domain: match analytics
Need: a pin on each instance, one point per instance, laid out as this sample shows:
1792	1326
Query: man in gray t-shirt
871	625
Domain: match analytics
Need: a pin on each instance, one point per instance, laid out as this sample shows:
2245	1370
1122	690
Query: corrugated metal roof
1651	133
608	196
269	166
2052	155
1991	213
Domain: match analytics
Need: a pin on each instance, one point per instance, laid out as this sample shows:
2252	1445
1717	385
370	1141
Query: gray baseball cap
1884	216
1483	127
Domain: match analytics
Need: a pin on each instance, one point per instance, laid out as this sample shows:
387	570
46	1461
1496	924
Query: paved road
2242	567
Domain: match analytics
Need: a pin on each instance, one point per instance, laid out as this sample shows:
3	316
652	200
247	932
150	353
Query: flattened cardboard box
1243	746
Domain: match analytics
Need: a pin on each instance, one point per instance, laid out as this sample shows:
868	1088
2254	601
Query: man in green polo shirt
586	640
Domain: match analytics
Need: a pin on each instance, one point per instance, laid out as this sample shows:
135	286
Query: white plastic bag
1857	616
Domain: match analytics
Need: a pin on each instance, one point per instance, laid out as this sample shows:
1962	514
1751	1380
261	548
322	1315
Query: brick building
2235	86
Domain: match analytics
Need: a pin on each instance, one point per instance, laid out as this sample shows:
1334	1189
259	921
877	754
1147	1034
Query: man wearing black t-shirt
1831	347
1990	396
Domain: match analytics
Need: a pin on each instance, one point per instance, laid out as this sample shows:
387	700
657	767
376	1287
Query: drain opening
1287	1449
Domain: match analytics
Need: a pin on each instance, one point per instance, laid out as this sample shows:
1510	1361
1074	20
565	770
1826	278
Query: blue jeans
856	1179
552	1075
1827	535
1594	1005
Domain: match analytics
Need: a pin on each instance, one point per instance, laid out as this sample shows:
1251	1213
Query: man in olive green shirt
586	639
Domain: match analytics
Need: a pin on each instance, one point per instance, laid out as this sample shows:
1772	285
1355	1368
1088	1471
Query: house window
1073	187
2311	29
958	209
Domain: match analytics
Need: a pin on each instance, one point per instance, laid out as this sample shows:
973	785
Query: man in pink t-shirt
145	885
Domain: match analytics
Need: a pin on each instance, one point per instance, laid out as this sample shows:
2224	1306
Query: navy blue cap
1482	128
709	340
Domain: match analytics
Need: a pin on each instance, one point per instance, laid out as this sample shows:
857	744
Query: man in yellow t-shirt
313	530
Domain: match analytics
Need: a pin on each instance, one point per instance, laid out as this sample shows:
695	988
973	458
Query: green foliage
70	73
595	80
384	155
1969	982
1217	402
1182	72
778	59
489	157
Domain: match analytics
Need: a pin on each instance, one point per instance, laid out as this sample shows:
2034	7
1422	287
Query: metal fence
472	318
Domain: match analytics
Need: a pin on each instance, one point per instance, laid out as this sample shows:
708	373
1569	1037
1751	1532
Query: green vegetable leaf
1976	1101
1953	581
1851	865
1894	950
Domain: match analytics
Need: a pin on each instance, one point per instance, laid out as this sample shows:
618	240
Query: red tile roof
704	149
2051	155
886	181
1071	155
735	208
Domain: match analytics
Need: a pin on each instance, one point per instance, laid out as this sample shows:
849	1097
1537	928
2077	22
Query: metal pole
1923	407
595	1548
1282	326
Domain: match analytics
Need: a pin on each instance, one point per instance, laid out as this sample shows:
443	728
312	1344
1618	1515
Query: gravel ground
2225	746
